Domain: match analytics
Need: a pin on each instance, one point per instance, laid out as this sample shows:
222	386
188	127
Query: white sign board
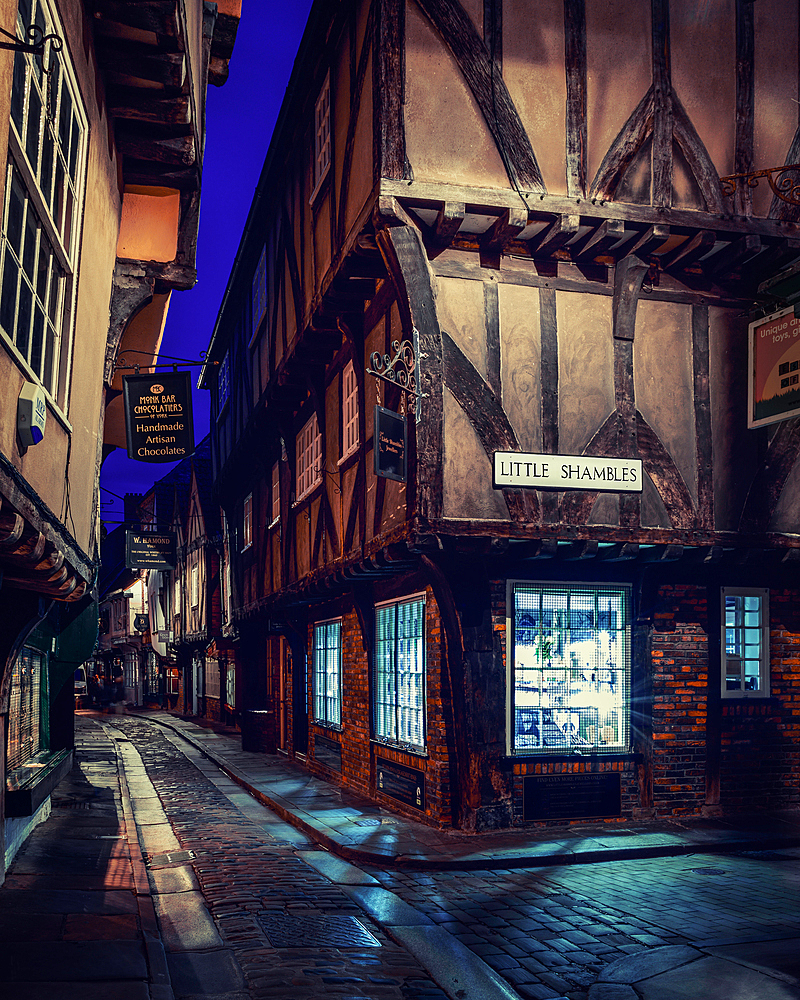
567	472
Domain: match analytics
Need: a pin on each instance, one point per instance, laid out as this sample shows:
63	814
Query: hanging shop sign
146	550
141	623
774	368
391	435
567	472
158	416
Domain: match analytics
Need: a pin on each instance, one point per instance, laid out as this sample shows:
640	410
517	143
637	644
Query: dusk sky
239	123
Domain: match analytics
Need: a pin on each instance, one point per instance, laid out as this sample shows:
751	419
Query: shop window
569	663
42	208
308	455
24	737
745	643
399	672
328	673
349	411
247	522
212	677
230	686
322	135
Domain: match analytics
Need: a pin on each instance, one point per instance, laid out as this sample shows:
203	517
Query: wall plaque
390	445
571	796
406	784
158	416
328	753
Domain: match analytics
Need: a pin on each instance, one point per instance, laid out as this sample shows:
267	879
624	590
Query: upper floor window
177	605
224	383
260	290
247	522
349	410
328	673
42	208
399	672
309	457
276	493
569	664
745	642
322	134
195	585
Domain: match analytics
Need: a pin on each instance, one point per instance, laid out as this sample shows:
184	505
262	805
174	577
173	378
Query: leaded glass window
399	680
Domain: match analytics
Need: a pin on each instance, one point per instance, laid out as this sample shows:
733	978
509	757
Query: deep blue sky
239	120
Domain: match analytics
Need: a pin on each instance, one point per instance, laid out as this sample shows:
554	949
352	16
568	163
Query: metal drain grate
162	860
285	931
73	804
375	822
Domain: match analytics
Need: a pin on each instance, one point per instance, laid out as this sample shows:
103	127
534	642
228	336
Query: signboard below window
774	367
567	472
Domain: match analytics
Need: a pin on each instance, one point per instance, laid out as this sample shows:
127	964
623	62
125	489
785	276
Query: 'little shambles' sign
158	417
146	550
567	472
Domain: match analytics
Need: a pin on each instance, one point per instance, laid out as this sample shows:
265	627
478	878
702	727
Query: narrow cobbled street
159	877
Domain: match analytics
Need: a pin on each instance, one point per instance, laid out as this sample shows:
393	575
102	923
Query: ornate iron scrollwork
399	369
36	45
786	188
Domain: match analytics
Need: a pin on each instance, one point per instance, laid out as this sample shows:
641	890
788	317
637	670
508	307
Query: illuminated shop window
569	661
745	643
399	682
328	673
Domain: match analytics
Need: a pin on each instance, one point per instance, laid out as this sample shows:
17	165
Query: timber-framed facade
530	195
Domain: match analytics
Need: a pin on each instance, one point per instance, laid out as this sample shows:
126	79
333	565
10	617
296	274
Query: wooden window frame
247	522
327	674
350	411
308	453
322	136
733	630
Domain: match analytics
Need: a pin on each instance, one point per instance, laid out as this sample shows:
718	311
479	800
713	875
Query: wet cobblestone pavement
246	874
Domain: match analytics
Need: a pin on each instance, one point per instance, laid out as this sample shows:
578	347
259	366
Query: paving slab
716	979
204	974
387	908
648	963
70	961
82	991
186	924
168	880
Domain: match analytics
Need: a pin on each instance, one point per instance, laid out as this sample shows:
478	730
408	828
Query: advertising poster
774	355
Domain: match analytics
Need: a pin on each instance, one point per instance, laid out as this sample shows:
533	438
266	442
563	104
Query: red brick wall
359	751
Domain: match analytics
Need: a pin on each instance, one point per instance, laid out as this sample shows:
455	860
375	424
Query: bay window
569	667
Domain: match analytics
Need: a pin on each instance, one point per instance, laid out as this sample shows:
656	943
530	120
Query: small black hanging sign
158	416
390	445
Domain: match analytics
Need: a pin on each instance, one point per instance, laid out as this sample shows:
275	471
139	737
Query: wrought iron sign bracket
400	369
784	188
37	43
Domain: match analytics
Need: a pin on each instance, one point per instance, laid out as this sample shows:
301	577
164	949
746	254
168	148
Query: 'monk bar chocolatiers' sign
158	417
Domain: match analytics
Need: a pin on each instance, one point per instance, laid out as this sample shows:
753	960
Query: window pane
8	299
16	213
18	91
571	668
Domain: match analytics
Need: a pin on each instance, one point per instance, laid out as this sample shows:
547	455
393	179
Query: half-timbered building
503	546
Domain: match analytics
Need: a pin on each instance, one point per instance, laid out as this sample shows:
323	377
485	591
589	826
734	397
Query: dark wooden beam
575	62
158	16
448	222
688	252
745	98
509	225
554	236
133	104
731	257
388	91
661	191
142	62
702	417
599	241
180	151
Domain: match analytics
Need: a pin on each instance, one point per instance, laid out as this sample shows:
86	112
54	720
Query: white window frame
568	692
177	609
42	269
350	440
327	673
247	522
735	634
322	136
399	689
275	488
308	452
230	684
195	585
259	297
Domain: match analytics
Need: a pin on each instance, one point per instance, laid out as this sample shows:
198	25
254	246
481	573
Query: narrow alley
160	876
